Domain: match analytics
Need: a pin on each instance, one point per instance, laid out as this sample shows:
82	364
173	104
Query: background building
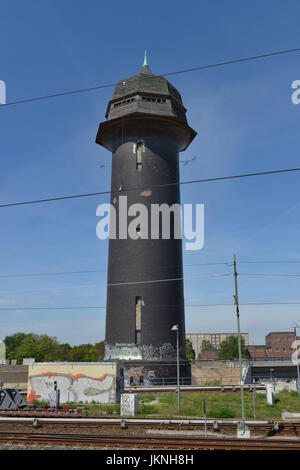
278	344
258	351
214	338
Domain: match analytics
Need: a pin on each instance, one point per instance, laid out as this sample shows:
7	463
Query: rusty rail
146	442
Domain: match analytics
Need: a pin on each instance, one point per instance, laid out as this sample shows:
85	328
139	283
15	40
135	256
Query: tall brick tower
145	129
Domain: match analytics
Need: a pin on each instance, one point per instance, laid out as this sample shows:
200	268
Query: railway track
71	423
42	413
158	389
146	442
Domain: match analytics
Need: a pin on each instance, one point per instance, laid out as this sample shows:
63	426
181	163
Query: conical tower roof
145	97
145	81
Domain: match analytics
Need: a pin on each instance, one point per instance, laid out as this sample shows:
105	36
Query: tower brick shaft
145	130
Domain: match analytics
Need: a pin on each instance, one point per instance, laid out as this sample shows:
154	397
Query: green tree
30	338
49	347
190	353
83	353
100	349
15	341
206	345
230	350
12	343
30	350
63	352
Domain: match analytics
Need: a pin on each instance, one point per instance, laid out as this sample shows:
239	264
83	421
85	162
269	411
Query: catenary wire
223	263
193	69
177	183
154	306
150	281
117	284
105	270
270	274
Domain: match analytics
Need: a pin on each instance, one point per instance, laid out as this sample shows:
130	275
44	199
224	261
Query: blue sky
245	121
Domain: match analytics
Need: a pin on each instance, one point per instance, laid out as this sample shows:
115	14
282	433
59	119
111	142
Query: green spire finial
145	64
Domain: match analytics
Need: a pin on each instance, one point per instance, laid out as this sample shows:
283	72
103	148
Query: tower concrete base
147	373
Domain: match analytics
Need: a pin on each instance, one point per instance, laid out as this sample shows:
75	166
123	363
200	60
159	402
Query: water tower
145	129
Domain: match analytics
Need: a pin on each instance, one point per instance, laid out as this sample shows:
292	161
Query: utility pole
236	299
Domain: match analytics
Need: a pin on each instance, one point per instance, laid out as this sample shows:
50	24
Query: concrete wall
99	382
14	376
216	372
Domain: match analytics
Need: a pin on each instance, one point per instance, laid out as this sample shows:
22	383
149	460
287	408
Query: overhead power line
177	72
271	262
153	306
53	308
211	275
223	263
120	191
51	273
245	303
150	281
117	284
105	270
270	274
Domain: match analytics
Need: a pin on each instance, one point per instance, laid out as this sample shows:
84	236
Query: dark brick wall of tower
144	260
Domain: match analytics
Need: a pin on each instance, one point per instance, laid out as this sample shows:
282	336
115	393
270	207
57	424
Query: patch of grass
228	405
218	405
40	403
147	409
168	399
222	412
147	398
100	410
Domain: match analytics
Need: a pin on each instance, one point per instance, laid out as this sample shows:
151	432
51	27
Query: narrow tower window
138	315
139	156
